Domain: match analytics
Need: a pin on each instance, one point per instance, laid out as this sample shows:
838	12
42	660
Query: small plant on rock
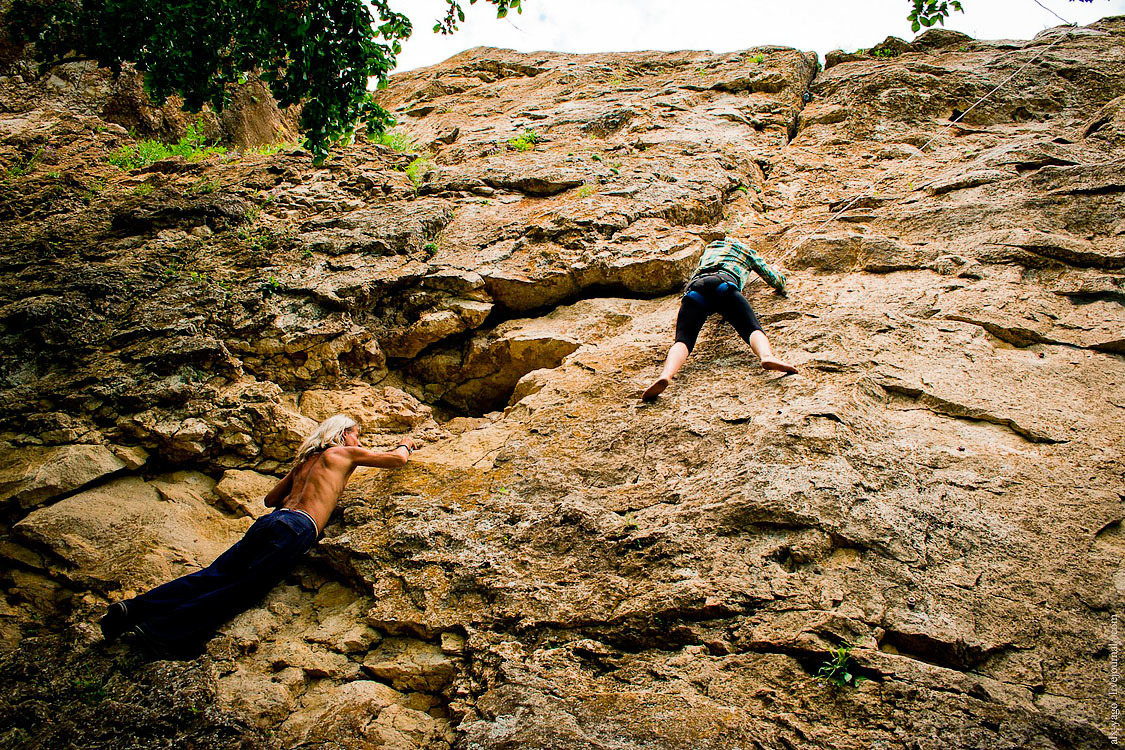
203	186
192	146
270	286
265	239
417	169
24	166
89	689
190	374
525	141
756	59
271	148
393	141
839	669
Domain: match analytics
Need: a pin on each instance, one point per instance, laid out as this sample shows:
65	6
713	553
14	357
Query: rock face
940	488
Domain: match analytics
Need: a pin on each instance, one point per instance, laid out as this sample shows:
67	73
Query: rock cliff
940	488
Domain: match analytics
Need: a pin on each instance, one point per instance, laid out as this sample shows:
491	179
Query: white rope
870	190
1053	13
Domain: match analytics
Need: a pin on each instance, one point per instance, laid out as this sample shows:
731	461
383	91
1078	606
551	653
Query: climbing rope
1053	13
953	121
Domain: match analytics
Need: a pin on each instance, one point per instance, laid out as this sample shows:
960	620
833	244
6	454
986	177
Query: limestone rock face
133	534
244	491
32	476
939	490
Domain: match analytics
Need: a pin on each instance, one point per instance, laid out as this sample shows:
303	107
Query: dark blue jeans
189	609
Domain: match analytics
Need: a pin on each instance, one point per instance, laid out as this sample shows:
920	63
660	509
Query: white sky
718	25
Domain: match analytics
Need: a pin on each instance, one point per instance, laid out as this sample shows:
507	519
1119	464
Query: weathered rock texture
941	486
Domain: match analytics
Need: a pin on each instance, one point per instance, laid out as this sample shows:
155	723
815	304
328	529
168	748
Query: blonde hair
330	432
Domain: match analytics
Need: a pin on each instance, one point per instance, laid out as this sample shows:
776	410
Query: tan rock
362	713
133	456
34	475
123	534
938	485
268	699
314	662
380	411
411	665
345	632
243	491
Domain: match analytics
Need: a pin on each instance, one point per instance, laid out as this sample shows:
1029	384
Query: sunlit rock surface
940	488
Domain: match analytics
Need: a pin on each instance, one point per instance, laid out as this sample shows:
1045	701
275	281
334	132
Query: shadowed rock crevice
476	371
957	655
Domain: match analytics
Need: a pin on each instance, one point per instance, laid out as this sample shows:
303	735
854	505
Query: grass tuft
525	141
193	147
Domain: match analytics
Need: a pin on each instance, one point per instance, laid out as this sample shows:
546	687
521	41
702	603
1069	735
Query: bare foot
773	363
655	389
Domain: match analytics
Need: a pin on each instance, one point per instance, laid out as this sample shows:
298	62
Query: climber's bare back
315	485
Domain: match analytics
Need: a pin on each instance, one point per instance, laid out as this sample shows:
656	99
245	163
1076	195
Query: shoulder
337	452
332	456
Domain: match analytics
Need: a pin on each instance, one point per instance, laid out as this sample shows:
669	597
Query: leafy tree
318	53
454	13
928	12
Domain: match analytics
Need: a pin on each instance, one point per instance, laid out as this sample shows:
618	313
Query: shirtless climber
184	612
716	286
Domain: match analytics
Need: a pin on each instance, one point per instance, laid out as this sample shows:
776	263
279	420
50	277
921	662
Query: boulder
125	536
35	475
242	491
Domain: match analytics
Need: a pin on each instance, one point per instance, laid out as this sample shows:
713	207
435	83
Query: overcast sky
719	25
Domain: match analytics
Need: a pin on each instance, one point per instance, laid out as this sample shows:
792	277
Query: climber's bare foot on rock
655	389
775	364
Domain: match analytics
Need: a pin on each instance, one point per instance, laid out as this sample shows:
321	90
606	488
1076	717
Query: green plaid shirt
739	260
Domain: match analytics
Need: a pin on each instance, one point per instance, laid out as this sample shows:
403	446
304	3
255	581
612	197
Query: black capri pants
703	296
